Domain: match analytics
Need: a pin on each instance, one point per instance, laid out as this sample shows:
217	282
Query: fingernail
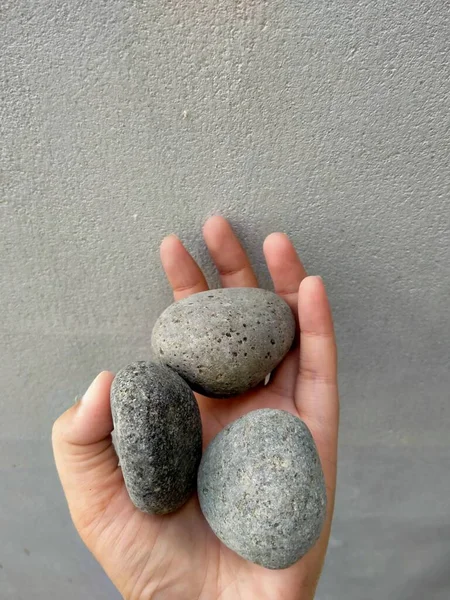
319	278
90	392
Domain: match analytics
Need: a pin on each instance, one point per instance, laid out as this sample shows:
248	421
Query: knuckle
325	335
59	427
230	272
310	372
56	430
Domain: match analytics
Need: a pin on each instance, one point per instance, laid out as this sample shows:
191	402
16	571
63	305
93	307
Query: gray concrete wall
125	120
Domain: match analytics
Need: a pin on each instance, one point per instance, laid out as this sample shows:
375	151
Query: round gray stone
158	436
224	342
261	488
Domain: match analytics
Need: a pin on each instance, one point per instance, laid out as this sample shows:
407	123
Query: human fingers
85	458
287	272
285	267
316	396
228	254
184	274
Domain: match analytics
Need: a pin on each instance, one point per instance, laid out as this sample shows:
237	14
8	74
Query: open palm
177	556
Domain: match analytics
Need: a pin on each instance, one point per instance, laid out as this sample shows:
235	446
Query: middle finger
228	255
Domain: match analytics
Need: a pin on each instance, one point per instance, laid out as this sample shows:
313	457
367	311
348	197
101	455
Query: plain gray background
123	121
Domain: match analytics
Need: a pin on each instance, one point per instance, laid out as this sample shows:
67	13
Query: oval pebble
224	342
158	436
261	488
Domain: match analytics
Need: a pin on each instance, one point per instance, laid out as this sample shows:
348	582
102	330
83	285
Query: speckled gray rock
224	342
261	488
158	435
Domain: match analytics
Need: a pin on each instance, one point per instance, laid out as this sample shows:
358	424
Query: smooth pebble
261	488
224	342
158	436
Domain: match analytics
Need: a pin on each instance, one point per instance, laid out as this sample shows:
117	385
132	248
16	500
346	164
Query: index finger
316	394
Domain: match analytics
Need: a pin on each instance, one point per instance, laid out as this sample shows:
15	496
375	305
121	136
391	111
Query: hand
177	556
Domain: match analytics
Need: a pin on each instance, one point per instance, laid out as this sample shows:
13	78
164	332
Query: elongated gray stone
261	488
224	342
158	435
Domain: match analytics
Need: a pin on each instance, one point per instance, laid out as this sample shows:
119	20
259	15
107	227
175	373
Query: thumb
85	458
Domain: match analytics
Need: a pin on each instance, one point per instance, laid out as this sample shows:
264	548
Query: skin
177	556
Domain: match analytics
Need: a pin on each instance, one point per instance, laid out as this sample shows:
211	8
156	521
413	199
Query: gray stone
261	488
224	342
158	436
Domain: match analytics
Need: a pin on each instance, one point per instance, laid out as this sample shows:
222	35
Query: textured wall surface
124	120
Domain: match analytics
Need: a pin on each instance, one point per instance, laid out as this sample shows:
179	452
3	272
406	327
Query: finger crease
310	374
287	292
315	334
185	288
231	272
316	378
